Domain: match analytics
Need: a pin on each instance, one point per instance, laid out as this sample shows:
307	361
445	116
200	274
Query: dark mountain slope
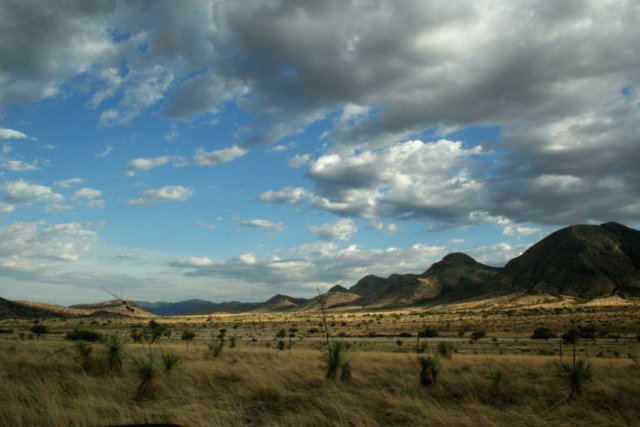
581	260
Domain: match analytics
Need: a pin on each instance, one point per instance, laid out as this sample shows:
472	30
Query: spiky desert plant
430	368
336	358
84	355
345	373
215	348
446	349
146	369
113	350
170	361
576	375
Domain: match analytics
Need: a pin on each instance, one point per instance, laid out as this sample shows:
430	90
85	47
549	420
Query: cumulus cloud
410	179
375	73
21	193
165	194
342	229
380	226
148	163
66	183
25	243
212	158
18	165
11	134
321	264
90	197
264	223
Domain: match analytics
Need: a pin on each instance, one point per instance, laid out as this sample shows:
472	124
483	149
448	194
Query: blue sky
235	150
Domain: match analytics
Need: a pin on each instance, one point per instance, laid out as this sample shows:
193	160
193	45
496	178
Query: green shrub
446	349
170	361
146	369
39	330
114	345
575	375
428	332
336	358
542	333
430	368
84	335
479	334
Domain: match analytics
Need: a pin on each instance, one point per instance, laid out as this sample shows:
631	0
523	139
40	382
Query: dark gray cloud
559	78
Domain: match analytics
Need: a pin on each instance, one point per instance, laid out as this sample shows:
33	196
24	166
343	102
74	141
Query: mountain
584	261
23	310
456	275
580	260
173	308
113	308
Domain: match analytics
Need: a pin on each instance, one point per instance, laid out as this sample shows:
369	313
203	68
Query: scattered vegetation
543	333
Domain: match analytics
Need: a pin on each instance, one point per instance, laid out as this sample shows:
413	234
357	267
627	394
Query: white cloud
340	230
212	158
105	152
11	134
66	183
20	193
87	193
164	194
264	223
380	226
18	166
145	164
299	160
413	179
286	195
193	262
27	243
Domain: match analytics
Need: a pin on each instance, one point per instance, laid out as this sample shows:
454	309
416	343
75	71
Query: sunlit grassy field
503	378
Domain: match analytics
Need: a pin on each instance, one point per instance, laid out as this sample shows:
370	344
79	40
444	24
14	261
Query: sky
233	150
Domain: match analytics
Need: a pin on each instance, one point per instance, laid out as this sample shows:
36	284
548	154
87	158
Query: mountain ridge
583	261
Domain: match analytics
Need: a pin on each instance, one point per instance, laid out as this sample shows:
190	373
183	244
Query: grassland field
503	378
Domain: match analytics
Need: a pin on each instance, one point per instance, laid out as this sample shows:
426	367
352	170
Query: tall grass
257	387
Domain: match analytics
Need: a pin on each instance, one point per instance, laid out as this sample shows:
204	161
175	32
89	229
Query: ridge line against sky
236	150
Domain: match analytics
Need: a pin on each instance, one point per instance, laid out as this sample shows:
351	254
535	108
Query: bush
542	333
146	369
428	332
84	335
39	330
430	369
479	334
575	375
446	349
84	355
170	361
404	335
114	345
336	358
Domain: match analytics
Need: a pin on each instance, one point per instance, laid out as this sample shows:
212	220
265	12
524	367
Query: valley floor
503	378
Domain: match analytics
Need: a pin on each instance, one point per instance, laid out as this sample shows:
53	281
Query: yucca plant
576	375
170	361
336	358
446	349
114	345
215	348
430	367
84	355
146	369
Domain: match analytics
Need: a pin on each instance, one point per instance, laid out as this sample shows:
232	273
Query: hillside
579	261
584	261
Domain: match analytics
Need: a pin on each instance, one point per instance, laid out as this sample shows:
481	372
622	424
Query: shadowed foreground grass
256	386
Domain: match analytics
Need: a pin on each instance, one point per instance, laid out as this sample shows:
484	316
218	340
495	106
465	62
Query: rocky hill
581	260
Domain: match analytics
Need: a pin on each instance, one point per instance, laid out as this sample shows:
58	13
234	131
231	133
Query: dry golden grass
254	385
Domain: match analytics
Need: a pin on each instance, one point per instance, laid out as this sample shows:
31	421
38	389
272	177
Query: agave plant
146	369
114	345
336	359
430	367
